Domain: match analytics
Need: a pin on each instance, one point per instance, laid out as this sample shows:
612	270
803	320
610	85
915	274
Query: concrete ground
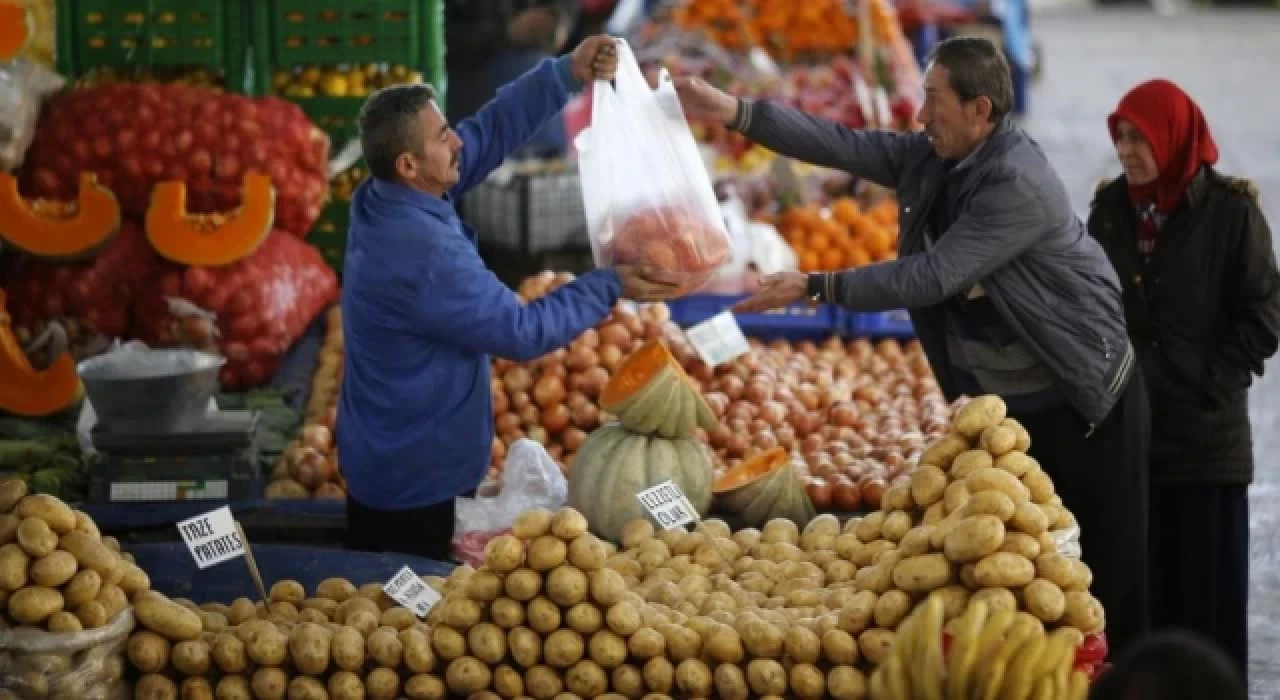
1228	61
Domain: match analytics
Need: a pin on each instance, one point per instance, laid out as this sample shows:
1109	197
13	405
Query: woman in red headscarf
1202	297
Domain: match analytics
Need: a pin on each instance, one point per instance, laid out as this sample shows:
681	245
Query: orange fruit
856	256
832	259
818	241
809	261
878	241
845	210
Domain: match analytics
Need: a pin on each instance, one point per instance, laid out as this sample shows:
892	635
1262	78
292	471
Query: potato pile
56	571
344	643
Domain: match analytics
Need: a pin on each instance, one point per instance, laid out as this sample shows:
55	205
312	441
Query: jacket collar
385	190
979	152
1196	191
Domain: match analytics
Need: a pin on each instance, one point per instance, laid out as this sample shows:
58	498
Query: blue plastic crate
795	322
883	324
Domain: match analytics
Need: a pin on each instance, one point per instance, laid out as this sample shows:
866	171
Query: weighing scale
209	458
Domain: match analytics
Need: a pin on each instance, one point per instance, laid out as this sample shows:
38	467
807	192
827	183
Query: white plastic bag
530	479
23	87
645	189
1068	540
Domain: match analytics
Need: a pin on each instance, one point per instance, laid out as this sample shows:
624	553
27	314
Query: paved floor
1229	62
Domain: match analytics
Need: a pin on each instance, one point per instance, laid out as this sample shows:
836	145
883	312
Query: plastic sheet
250	312
530	479
87	665
646	193
1068	540
24	85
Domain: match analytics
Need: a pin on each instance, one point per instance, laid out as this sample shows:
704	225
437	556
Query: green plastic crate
211	34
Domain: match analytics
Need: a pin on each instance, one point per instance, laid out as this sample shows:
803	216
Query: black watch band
815	287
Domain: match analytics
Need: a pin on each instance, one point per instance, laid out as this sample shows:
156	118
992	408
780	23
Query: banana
1021	675
988	643
929	667
992	678
1045	690
1062	672
895	678
964	650
1078	687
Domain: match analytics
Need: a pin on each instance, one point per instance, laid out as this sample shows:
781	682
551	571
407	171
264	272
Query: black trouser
424	532
1200	563
1102	480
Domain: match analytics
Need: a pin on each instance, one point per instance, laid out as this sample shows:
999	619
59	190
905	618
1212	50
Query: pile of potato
56	570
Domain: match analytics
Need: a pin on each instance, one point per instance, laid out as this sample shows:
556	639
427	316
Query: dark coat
1204	314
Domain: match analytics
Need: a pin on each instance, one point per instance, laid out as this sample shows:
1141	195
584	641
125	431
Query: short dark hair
389	125
976	68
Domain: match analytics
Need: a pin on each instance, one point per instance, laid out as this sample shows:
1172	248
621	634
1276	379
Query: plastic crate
209	34
884	324
795	322
329	233
529	213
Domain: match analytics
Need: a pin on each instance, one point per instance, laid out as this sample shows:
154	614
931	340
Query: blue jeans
470	89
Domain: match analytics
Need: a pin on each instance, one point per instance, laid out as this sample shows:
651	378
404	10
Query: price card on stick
668	505
408	590
212	537
718	339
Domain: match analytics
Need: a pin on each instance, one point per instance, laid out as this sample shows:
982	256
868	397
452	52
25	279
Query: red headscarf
1175	127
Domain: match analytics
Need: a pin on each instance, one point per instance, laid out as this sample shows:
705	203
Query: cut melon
764	487
17	28
651	394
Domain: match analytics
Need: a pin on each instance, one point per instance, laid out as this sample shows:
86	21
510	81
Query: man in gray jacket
1008	293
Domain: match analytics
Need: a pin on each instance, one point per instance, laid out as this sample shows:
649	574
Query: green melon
649	393
763	488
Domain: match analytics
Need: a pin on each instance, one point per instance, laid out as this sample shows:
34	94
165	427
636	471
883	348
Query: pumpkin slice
786	499
17	27
210	240
60	231
739	487
651	394
28	392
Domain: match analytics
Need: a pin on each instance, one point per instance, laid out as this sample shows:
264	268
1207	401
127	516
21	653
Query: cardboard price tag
668	505
408	590
212	538
718	339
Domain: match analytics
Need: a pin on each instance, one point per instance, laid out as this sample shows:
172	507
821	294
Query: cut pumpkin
17	27
26	391
615	464
762	488
650	394
60	231
210	240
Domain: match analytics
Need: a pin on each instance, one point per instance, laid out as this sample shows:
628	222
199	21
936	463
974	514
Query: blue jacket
422	314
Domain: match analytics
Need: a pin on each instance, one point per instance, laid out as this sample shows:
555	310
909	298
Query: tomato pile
260	306
135	135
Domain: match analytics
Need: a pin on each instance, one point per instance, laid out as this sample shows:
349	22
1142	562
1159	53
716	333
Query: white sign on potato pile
668	505
212	537
718	339
408	590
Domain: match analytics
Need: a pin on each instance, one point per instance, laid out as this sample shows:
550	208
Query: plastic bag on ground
136	135
251	312
87	665
89	298
24	85
530	479
645	190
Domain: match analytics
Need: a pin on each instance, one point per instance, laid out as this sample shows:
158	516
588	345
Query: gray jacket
1016	236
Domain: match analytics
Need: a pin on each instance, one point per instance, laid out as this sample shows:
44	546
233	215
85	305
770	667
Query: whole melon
615	464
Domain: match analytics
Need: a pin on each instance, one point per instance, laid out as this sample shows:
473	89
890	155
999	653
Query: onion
549	391
581	359
518	378
316	437
507	423
593	381
555	418
572	439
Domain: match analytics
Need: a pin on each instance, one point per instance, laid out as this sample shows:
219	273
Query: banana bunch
995	655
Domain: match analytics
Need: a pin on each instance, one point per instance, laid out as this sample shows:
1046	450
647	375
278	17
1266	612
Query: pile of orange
784	27
844	236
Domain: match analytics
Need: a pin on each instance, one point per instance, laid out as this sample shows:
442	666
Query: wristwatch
816	287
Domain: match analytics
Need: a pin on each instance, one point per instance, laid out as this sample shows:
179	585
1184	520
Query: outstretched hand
775	291
702	101
643	283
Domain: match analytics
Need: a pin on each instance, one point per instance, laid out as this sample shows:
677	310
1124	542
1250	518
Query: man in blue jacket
422	313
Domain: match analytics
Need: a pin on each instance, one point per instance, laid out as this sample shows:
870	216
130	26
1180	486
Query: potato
352	605
891	608
9	528
587	553
995	599
191	658
566	585
973	538
978	415
36	538
92	615
418	687
237	688
12	490
1044	600
196	689
1081	576
531	524
1030	519
943	451
896	525
546	553
847	683
807	682
928	483
287	591
267	645
309	648
57	515
730	683
523	585
1004	570
998	440
167	618
1055	568
896	497
1039	486
525	646
993	479
348	649
53	569
924	573
448	643
487	643
155	687
63	622
383	684
32	605
868	529
968	462
542	682
269	683
147	651
767	677
133	580
568	524
1016	463
335	589
543	615
1083	612
584	618
1022	544
467	675
243	609
228	653
92	554
606	586
306	688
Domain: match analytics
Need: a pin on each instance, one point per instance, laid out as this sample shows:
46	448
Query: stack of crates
327	56
206	40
